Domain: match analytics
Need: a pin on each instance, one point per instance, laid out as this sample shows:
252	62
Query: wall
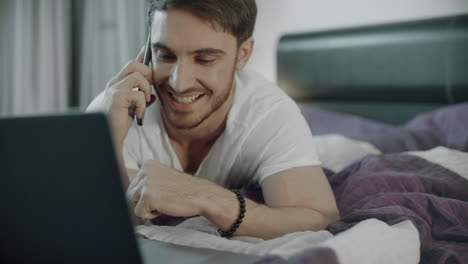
277	17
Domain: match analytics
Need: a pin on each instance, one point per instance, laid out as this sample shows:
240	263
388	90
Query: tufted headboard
385	72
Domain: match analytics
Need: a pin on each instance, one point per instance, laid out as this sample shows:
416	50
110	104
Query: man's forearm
124	178
222	209
172	192
121	164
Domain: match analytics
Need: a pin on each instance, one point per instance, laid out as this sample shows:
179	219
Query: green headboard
385	72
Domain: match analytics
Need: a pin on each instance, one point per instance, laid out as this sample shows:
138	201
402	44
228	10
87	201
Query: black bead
236	225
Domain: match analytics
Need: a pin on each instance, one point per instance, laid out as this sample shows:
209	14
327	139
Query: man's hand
120	96
297	199
158	189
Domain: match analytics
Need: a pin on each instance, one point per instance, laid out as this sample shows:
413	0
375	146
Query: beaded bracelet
234	227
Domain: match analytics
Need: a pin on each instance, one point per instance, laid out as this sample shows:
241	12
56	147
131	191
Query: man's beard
218	101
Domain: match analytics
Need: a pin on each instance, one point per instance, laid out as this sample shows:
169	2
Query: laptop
62	199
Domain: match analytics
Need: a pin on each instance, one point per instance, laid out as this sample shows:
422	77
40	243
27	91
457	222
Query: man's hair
234	16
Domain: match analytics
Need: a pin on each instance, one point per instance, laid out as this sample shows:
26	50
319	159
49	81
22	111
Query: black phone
146	61
147	57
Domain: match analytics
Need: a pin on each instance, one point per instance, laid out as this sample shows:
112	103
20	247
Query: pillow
448	124
337	151
424	132
386	137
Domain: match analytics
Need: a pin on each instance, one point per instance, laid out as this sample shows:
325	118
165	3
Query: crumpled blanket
396	208
410	186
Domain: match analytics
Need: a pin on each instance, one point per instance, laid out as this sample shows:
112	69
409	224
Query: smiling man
214	127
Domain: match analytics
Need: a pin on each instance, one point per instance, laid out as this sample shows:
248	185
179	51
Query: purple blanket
394	188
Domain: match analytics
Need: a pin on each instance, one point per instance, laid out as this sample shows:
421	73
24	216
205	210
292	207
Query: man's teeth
186	99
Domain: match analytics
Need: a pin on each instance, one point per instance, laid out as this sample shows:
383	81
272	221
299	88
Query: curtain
58	53
35	56
113	33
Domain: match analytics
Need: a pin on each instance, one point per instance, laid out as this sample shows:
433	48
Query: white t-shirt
265	133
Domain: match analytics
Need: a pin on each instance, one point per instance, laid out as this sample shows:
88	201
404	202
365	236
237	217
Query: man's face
193	66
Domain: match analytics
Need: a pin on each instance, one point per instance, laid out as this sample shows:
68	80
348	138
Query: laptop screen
62	199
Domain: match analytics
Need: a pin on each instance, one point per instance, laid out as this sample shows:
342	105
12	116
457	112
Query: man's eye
161	56
205	61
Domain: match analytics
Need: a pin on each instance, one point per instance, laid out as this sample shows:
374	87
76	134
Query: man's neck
192	146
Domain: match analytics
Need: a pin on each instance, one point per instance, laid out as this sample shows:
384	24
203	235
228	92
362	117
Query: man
214	126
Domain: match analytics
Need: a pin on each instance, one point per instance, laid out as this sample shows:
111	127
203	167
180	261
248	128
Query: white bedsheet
337	151
454	160
370	241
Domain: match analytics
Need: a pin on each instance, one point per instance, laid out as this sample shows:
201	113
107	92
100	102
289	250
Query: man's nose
182	76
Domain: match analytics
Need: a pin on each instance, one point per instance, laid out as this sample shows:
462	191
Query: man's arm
116	100
297	199
126	176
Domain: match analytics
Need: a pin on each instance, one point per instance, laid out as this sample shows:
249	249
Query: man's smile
185	101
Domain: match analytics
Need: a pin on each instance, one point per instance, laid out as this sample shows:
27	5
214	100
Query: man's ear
244	52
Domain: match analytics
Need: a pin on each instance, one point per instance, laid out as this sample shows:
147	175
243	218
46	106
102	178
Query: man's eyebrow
159	45
208	51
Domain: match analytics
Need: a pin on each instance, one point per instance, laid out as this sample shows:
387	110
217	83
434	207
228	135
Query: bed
388	108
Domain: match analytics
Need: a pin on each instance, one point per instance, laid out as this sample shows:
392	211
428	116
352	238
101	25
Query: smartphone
147	58
146	61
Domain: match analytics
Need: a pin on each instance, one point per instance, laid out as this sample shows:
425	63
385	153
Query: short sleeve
131	149
279	141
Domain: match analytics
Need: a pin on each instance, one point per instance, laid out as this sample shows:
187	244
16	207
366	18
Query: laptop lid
61	198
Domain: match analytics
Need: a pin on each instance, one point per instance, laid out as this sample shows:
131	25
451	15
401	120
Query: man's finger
142	209
136	80
152	100
138	99
132	67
